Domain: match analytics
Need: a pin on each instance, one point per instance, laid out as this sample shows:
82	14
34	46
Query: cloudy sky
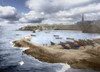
48	11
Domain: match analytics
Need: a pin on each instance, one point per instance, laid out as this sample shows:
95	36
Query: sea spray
21	63
64	68
23	49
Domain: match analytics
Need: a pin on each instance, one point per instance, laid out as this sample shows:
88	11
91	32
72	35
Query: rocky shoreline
85	57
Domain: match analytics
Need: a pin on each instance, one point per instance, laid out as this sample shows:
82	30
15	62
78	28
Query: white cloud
68	3
80	10
52	11
3	22
8	15
7	11
50	6
63	10
50	21
31	16
58	20
92	16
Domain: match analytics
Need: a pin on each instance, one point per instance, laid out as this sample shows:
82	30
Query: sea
11	58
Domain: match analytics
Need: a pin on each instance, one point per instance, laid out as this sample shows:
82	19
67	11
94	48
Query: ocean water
11	57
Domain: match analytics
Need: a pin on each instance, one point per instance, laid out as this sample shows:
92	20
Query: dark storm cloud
39	20
11	17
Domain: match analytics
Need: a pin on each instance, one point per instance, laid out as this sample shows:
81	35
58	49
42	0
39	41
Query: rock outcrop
87	57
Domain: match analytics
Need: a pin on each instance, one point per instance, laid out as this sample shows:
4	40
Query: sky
48	11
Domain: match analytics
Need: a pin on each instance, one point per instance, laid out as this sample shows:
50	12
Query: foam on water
21	63
64	68
22	48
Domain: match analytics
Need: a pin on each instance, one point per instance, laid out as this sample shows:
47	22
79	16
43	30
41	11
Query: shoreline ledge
86	57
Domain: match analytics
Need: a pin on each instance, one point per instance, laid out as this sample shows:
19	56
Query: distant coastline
94	28
49	27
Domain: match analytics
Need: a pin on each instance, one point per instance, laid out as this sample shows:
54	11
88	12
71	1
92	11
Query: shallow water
45	38
10	56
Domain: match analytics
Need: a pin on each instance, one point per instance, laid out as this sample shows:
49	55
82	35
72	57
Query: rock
17	34
36	30
87	57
